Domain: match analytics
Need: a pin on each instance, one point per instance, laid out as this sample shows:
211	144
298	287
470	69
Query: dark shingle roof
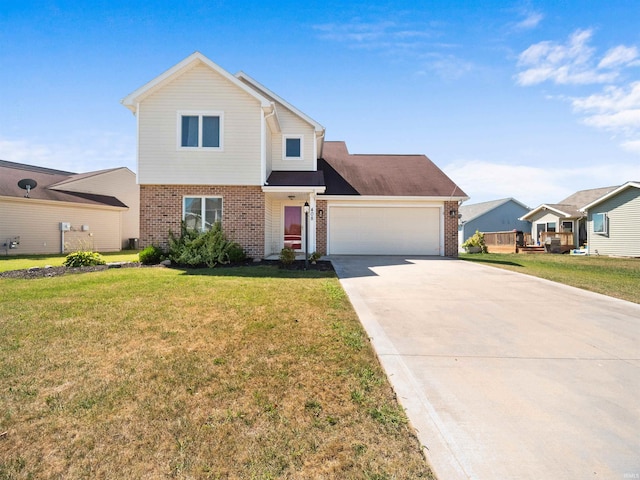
291	178
383	175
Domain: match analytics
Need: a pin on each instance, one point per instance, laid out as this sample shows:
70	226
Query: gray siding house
495	216
613	222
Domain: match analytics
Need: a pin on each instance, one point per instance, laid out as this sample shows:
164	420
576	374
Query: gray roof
470	212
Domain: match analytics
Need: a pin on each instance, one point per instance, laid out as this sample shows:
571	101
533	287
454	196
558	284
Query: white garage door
384	230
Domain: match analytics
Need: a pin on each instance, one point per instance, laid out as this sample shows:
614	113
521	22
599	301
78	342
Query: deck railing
566	238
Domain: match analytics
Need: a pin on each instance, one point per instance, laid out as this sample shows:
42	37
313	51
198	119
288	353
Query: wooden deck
514	242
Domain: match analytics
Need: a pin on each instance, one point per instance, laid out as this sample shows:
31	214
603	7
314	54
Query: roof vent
27	184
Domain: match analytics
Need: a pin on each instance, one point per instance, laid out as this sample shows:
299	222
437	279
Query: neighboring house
66	211
494	216
213	146
564	216
613	222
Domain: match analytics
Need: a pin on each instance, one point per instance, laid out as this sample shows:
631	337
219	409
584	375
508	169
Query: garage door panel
384	230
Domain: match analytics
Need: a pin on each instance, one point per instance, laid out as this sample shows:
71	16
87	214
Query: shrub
287	256
151	255
83	259
236	253
196	249
315	256
476	240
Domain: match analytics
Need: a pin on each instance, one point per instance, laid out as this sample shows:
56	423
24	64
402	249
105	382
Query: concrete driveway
504	375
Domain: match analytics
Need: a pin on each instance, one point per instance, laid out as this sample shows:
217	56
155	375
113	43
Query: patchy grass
616	277
252	373
27	261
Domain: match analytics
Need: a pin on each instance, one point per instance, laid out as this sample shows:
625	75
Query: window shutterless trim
203	209
200	114
284	146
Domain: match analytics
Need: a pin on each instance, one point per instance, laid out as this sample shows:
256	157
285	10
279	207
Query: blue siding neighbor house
495	216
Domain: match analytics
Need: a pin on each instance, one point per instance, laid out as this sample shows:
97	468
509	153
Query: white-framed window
292	147
600	223
200	130
567	226
201	213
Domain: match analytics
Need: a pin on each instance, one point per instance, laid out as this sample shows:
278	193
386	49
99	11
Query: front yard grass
252	373
616	277
22	262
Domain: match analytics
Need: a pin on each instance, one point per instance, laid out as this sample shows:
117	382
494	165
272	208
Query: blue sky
532	100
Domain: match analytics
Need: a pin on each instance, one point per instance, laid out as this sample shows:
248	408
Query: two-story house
216	147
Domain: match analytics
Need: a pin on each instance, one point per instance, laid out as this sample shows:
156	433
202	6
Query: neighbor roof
570	206
471	212
610	194
384	175
11	173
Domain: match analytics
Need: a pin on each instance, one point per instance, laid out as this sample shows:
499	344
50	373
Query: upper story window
292	147
200	130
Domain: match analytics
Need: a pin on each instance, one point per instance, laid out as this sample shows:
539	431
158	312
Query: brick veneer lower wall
242	213
321	227
450	230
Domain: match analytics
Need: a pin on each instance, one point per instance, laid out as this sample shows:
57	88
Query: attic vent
27	184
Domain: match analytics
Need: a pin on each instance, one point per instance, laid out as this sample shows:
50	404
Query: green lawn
616	277
252	373
27	261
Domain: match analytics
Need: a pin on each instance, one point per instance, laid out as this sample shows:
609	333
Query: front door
293	227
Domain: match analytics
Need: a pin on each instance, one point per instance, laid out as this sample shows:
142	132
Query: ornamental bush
476	240
83	259
151	255
287	256
200	249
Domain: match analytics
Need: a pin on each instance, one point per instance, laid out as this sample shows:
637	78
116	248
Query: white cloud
620	56
531	20
99	150
632	146
615	109
570	63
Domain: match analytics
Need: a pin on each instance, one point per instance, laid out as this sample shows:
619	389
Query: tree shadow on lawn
263	269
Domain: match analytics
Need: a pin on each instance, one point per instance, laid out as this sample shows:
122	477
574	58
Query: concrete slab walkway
504	375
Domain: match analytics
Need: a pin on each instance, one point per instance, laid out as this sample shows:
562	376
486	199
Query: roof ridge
33	168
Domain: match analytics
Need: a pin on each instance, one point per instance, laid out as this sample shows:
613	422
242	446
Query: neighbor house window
201	213
551	226
292	147
600	223
200	130
567	226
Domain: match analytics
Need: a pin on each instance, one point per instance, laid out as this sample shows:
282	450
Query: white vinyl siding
384	230
37	223
292	126
200	90
623	229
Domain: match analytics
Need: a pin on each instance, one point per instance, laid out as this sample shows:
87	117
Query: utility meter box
65	226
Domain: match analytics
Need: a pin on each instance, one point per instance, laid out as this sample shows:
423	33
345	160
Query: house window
551	226
200	130
567	226
292	147
201	213
600	223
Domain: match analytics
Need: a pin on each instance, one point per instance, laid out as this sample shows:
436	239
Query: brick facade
321	227
450	229
242	213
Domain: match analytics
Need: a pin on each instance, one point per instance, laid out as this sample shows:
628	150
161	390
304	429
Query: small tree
476	240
